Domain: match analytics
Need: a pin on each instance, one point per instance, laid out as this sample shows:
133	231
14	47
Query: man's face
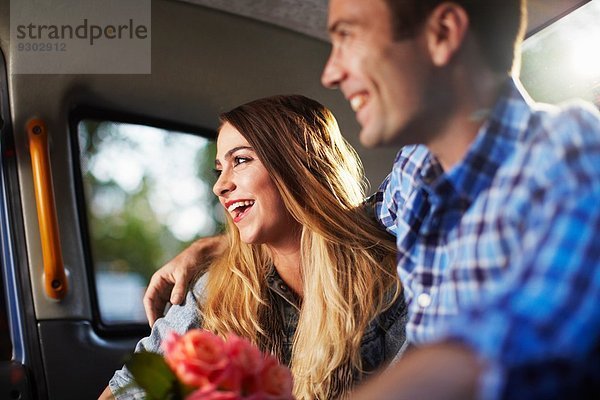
384	80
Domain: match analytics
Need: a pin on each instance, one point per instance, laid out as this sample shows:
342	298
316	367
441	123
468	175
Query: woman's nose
224	184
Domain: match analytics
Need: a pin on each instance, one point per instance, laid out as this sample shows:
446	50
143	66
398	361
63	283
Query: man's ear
445	31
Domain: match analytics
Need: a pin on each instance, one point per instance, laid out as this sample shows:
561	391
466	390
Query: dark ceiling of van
310	16
305	16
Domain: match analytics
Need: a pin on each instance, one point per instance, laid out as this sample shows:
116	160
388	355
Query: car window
562	61
147	194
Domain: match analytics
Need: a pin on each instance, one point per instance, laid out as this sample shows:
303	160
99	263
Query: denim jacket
382	342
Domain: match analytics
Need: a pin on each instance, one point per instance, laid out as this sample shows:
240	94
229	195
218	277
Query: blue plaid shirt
501	251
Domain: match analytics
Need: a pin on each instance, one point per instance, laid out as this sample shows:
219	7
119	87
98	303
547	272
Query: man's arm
106	395
170	282
447	371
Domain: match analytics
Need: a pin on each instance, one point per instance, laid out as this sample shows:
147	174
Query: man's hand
106	395
170	282
443	371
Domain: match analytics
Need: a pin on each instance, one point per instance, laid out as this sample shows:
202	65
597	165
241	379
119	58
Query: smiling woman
247	192
307	275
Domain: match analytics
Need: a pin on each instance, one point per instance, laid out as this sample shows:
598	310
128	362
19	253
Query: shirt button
424	300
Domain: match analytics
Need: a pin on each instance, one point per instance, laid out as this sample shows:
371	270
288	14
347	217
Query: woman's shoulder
198	288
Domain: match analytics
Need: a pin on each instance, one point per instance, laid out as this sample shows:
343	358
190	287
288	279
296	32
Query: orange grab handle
55	279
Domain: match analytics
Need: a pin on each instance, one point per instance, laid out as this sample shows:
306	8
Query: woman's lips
239	208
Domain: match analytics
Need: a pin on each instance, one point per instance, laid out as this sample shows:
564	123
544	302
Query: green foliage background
131	238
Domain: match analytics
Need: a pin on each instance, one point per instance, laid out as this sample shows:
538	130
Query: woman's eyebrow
231	151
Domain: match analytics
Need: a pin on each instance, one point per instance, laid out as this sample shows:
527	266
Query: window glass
148	194
562	61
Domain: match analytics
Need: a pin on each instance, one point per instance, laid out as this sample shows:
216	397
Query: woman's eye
240	160
217	172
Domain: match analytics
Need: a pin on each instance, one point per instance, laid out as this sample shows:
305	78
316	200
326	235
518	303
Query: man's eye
240	160
342	34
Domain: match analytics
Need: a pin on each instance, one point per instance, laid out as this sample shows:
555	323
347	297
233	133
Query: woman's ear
445	31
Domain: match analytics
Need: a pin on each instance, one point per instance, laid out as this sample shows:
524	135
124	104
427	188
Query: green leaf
152	374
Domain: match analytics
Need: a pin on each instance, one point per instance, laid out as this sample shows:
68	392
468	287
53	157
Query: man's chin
384	136
370	138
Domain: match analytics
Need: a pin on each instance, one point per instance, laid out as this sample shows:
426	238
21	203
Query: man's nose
332	73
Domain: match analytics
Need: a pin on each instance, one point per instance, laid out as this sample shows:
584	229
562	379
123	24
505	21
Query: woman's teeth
239	204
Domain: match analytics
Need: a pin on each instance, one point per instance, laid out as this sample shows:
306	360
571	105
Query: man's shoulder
566	139
570	124
559	151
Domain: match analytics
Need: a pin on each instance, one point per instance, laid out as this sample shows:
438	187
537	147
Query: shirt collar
493	144
277	285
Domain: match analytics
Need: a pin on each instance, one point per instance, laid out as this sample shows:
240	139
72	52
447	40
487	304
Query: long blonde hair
348	262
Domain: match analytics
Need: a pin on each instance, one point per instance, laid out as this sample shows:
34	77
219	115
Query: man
495	215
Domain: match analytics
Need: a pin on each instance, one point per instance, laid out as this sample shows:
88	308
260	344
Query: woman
308	275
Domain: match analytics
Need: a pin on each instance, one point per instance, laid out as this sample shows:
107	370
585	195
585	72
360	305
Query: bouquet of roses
202	366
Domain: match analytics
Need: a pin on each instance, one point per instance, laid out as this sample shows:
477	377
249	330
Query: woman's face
247	192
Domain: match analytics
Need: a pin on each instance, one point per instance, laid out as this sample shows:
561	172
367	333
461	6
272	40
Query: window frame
592	97
77	115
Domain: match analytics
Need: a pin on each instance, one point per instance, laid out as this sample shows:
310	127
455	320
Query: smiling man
377	76
493	203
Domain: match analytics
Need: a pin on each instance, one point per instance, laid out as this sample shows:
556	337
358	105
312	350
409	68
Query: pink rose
212	394
275	381
243	354
242	373
198	358
226	370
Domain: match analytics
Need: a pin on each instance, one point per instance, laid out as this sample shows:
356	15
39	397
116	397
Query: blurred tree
126	233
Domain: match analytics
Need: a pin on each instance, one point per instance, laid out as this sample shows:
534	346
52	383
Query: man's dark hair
498	24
